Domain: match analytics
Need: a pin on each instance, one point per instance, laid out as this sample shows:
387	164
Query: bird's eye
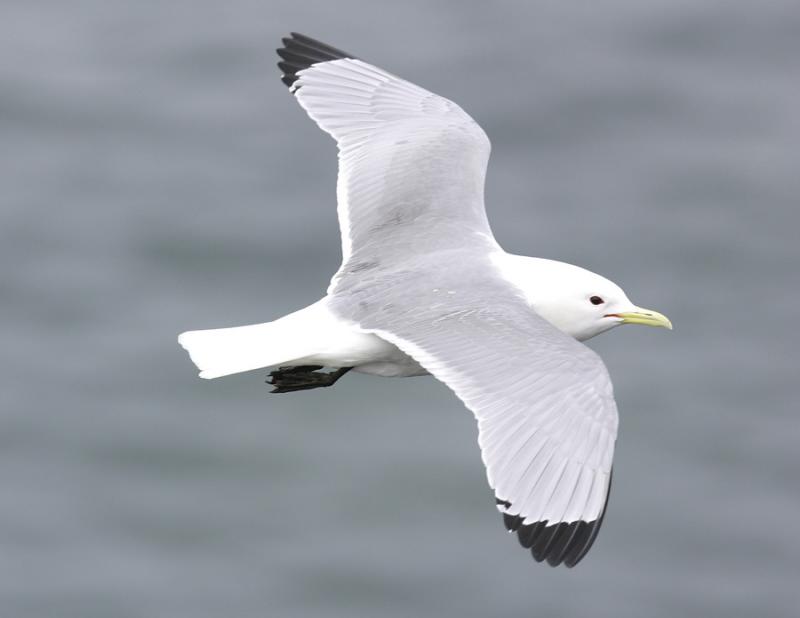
596	300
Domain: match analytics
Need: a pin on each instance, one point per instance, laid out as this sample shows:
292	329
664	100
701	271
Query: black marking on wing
300	52
559	543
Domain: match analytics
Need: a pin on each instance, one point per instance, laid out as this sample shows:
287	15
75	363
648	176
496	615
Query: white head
575	300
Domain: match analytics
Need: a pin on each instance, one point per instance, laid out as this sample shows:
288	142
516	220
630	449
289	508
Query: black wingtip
560	543
300	52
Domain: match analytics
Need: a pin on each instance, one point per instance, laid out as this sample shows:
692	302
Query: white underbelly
391	362
342	345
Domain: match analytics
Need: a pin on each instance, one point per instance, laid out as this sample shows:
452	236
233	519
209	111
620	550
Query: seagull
424	288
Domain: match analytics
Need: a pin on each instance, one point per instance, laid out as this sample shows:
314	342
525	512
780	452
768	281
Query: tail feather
225	351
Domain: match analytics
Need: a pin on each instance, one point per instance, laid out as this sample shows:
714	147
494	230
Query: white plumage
425	288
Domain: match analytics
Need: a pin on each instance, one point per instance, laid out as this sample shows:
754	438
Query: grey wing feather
415	271
412	164
544	403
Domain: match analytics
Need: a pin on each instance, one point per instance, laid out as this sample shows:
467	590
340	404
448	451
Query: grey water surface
156	176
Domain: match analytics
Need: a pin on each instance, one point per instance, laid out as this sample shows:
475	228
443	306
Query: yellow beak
645	317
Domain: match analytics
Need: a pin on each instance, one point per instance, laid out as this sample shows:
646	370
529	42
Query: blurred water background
155	176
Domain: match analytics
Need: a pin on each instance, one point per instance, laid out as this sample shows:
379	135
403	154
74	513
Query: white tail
224	351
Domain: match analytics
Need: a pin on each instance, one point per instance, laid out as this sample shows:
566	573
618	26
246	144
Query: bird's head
581	303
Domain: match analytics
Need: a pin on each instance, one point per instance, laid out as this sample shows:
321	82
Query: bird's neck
529	275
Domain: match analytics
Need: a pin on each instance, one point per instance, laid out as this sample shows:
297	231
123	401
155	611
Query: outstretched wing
544	403
411	164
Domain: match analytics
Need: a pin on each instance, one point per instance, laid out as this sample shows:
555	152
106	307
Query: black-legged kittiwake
425	288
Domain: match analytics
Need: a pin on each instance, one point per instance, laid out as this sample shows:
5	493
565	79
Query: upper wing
411	164
544	403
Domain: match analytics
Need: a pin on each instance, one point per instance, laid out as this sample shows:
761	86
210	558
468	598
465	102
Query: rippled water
155	176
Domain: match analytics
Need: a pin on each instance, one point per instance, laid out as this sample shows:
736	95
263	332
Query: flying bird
424	288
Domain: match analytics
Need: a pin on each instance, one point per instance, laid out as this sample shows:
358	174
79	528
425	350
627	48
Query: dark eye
596	300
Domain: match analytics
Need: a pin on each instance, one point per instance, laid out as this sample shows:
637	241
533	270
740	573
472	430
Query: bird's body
315	335
335	343
425	288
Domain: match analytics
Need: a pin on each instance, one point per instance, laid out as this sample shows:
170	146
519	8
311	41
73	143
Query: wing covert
546	414
412	164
